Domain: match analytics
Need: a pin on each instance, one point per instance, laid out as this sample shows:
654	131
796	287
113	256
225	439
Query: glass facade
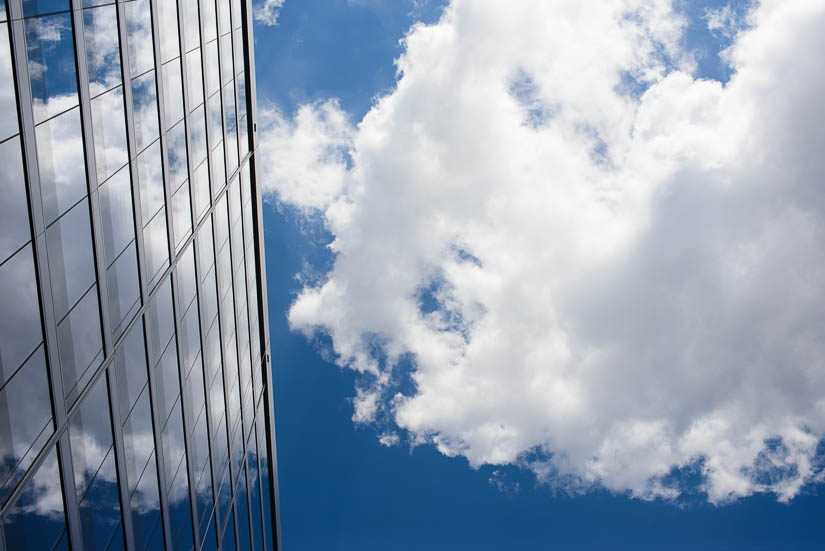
135	395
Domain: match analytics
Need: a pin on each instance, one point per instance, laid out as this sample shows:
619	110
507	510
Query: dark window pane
209	541
176	152
139	36
20	328
93	461
124	289
172	90
228	542
160	323
116	215
37	520
61	163
242	506
34	7
150	176
168	21
224	495
102	48
147	525
191	24
264	471
156	246
8	105
26	420
71	258
51	65
213	76
130	367
181	214
214	120
80	344
145	101
227	67
194	74
109	125
210	20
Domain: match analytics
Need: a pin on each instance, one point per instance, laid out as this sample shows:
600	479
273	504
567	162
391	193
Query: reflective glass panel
138	440
191	24
215	121
71	258
109	125
194	75
264	471
20	328
102	48
224	274
200	189
37	520
221	223
197	135
116	217
182	214
228	543
223	16
176	154
124	289
227	67
130	367
139	36
254	497
34	7
150	176
80	344
147	524
156	246
61	163
172	92
190	336
25	408
50	47
210	20
160	323
243	137
236	14
209	299
168	22
237	44
95	476
213	77
8	100
218	169
242	506
187	282
206	254
145	102
168	385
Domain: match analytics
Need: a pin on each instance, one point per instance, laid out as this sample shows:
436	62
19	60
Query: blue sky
342	489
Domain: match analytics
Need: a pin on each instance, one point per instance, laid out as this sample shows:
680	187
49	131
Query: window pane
172	91
124	289
130	367
8	104
201	189
139	36
25	407
197	135
71	258
206	254
80	344
116	215
194	74
61	163
228	543
209	300
255	497
168	21
102	48
227	67
242	506
146	520
156	246
150	176
138	440
215	121
168	385
223	16
109	125
145	101
210	22
182	214
93	461
37	520
237	48
191	24
50	47
176	154
218	169
264	470
160	323
20	329
213	77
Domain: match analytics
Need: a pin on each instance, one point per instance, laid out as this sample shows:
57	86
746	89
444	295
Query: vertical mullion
156	425
41	262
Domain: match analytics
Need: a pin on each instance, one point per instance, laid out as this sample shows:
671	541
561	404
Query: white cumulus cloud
599	284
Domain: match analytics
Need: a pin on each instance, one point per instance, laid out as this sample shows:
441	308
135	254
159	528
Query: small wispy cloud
268	12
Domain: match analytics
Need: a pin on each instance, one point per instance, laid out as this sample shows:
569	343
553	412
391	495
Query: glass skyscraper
135	391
